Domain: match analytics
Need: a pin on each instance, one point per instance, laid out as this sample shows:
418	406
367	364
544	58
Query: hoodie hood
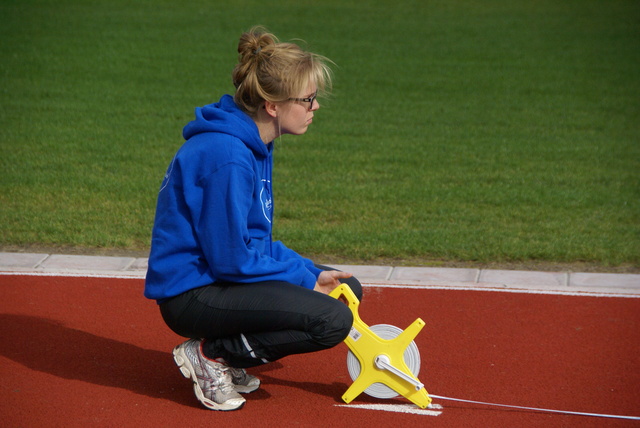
225	117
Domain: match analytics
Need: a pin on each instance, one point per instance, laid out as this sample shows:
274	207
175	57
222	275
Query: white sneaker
212	381
243	382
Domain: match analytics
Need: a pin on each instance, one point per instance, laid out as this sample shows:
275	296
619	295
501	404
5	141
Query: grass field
459	131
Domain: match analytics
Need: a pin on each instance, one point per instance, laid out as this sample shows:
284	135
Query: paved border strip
460	278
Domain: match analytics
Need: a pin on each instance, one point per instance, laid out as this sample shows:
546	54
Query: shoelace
217	376
223	376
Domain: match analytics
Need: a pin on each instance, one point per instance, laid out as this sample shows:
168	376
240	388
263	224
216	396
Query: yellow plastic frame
368	347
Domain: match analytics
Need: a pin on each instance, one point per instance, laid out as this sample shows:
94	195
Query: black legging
253	324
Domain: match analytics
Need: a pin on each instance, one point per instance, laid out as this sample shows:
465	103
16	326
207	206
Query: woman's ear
271	108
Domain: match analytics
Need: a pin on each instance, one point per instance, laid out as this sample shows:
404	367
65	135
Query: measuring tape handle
344	291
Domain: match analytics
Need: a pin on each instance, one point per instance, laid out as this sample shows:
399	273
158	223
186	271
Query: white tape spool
411	359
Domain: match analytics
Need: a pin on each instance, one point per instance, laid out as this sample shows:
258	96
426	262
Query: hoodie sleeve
221	228
282	252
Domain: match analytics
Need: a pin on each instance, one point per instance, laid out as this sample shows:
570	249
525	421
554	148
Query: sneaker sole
188	372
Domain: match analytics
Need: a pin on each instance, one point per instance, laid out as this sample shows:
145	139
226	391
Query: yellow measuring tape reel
383	361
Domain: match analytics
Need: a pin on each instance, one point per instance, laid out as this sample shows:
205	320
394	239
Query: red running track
79	352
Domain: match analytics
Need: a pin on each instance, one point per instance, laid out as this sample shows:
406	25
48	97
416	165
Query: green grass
493	131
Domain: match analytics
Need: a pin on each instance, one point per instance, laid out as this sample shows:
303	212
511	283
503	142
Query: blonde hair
269	70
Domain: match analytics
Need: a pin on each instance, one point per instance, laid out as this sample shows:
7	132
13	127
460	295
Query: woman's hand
330	279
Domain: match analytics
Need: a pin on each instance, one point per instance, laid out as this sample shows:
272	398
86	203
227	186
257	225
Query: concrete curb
480	279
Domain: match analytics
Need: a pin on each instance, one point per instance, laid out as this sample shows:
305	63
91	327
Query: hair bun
253	42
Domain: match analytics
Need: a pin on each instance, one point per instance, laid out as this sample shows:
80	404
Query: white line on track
432	410
508	290
74	274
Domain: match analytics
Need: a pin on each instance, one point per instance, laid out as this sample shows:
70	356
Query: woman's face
297	113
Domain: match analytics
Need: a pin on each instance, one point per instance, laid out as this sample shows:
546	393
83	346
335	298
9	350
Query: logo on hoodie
167	175
265	200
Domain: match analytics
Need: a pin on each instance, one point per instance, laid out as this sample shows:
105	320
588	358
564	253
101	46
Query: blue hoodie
215	209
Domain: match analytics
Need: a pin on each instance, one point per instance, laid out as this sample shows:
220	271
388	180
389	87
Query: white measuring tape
600	415
411	359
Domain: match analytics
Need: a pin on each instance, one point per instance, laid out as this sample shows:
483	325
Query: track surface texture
86	351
